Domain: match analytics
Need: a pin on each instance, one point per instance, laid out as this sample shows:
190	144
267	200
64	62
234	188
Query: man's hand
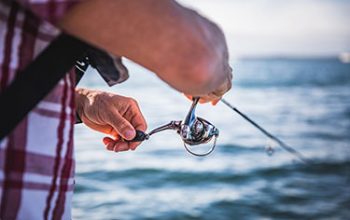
215	96
111	114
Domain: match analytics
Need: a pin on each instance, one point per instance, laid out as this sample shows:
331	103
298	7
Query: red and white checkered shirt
37	158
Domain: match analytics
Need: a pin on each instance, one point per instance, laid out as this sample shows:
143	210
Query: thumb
122	126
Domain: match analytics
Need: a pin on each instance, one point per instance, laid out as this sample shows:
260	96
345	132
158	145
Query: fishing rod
196	131
268	134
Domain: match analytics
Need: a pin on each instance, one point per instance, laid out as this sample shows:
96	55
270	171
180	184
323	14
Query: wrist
79	103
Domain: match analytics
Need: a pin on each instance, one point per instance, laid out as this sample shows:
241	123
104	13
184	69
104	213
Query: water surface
304	102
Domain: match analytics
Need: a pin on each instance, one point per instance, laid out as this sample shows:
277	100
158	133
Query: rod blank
268	134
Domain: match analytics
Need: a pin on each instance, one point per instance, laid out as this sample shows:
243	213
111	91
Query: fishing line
268	134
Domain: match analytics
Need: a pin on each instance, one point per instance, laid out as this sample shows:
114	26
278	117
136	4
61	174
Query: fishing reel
194	132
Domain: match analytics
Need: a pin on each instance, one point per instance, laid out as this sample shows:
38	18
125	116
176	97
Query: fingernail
129	134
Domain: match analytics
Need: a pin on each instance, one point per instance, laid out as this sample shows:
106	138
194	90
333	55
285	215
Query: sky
280	28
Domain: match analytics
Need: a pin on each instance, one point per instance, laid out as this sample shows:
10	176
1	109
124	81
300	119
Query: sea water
305	102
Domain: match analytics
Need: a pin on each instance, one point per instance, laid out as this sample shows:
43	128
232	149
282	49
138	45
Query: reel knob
197	137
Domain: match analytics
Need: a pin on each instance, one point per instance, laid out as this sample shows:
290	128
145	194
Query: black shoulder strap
37	80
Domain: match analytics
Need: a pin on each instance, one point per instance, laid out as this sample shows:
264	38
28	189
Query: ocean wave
153	178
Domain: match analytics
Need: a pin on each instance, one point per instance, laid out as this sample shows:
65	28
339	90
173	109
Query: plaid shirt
36	159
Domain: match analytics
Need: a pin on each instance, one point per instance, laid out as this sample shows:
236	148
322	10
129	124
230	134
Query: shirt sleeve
49	10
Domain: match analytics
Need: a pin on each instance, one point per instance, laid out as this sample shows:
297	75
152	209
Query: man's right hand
111	114
183	48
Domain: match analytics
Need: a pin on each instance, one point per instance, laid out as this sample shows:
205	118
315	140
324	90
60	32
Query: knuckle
133	102
229	85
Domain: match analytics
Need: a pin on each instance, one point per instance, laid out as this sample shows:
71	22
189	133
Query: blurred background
291	67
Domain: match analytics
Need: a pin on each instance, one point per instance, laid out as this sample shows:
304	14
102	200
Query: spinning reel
194	132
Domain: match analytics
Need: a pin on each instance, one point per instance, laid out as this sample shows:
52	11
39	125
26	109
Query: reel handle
139	137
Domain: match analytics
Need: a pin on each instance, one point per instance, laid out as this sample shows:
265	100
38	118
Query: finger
104	128
114	133
206	99
136	118
189	97
107	140
121	146
203	100
214	102
134	145
121	125
110	146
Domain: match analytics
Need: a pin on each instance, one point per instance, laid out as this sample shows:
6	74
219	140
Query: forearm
158	34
